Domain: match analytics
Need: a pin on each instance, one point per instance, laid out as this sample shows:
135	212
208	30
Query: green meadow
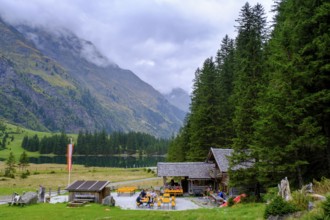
96	211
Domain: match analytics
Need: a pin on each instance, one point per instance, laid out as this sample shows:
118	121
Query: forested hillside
98	143
266	94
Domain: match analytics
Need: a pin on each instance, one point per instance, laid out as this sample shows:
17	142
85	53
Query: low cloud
162	41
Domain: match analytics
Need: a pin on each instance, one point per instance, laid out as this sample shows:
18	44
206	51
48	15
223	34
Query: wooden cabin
196	177
219	157
92	191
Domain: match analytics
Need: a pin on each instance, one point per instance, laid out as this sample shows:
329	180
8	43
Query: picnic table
174	192
127	189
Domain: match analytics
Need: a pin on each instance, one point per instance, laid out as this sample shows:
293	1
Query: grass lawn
96	211
55	175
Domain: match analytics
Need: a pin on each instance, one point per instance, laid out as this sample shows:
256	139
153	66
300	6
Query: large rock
29	198
109	201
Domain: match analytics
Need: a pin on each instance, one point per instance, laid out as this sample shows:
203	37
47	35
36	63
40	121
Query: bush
326	207
321	187
271	194
9	173
300	200
231	202
279	207
25	174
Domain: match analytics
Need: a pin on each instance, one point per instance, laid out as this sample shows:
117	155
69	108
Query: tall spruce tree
249	61
292	134
225	67
204	118
177	151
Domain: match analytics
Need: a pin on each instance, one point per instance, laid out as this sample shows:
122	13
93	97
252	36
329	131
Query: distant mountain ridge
55	81
179	98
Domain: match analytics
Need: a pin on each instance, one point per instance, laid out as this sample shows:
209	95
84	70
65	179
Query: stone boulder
29	198
109	201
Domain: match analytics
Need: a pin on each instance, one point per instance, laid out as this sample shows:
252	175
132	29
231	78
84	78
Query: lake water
103	161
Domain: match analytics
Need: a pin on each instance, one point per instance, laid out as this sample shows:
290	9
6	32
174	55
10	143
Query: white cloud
145	63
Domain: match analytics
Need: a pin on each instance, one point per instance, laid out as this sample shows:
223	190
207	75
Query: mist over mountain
53	80
179	98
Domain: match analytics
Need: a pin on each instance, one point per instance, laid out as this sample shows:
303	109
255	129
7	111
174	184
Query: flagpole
69	154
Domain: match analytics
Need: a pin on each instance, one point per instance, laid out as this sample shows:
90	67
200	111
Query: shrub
326	207
300	200
24	175
271	194
9	174
321	187
231	202
279	207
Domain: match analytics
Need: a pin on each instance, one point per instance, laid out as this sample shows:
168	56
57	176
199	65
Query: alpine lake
102	161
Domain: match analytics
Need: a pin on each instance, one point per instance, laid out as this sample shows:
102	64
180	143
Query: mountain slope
62	82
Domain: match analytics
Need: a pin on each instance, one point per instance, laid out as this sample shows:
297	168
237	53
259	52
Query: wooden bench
84	198
128	190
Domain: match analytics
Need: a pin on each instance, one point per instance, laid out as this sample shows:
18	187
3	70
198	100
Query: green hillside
16	134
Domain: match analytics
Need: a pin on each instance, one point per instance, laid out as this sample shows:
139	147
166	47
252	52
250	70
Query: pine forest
265	94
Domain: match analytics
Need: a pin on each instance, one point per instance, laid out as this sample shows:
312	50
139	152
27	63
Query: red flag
69	156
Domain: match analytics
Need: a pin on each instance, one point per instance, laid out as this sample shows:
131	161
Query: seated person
143	193
138	200
222	195
153	195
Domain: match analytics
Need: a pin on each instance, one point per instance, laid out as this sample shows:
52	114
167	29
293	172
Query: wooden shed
93	191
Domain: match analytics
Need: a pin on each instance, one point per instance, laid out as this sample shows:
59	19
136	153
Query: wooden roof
87	186
221	157
192	170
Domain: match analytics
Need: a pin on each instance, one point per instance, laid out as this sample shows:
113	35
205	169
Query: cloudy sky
161	41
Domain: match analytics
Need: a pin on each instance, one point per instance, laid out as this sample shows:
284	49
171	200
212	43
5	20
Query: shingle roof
193	170
221	158
87	186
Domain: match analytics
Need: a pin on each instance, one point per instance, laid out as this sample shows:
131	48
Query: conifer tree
204	118
10	166
292	135
225	67
23	160
248	78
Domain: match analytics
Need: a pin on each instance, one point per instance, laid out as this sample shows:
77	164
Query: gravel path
5	199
